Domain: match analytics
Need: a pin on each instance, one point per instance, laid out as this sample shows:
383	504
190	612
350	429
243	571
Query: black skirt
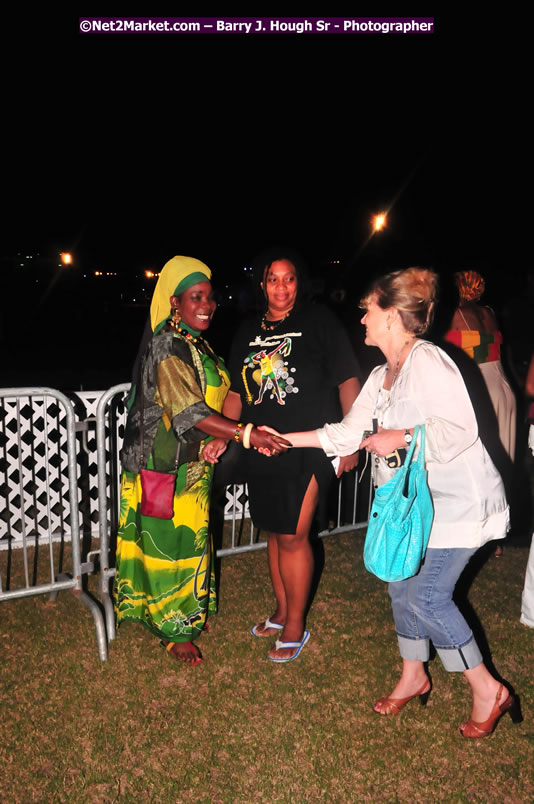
277	486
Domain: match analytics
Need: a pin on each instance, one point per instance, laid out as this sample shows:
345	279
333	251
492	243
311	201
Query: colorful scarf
177	275
470	285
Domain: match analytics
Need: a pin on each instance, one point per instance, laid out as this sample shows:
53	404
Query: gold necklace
265	326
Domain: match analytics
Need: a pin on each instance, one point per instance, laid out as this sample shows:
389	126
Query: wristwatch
408	437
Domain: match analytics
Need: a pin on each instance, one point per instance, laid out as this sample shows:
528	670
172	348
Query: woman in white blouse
420	384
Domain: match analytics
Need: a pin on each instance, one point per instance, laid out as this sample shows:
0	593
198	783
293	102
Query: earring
176	318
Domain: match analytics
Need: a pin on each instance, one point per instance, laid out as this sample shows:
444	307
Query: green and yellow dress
164	577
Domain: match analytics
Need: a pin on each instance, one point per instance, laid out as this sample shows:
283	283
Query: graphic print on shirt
270	371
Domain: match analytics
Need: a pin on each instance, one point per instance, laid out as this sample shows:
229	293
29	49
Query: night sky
127	150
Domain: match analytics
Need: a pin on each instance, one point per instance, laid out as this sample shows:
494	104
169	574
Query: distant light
66	258
149	274
379	221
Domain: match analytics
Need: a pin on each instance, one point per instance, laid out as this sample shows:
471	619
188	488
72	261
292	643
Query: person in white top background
420	384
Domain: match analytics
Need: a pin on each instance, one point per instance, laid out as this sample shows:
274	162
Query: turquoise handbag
401	519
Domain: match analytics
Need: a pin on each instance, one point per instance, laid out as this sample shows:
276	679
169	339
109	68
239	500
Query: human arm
432	392
344	437
307	438
348	391
225	429
182	400
384	442
232	408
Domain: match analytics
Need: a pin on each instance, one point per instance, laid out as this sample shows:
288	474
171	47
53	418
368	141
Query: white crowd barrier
60	482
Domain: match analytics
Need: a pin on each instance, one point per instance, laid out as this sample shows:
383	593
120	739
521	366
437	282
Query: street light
379	221
66	258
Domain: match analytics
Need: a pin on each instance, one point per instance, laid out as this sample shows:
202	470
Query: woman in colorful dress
475	330
164	577
420	385
292	366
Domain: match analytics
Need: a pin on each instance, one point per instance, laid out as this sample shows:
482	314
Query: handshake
263	439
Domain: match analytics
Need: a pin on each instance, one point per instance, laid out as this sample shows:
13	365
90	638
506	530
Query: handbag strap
419	429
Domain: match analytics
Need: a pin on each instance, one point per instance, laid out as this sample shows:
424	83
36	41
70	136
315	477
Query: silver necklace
388	398
397	365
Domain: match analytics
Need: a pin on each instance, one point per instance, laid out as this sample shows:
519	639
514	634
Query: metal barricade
108	448
47	481
38	471
109	430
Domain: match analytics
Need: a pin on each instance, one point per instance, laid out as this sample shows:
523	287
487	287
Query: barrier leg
93	607
109	614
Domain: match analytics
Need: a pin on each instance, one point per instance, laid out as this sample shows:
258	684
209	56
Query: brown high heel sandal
393	706
473	729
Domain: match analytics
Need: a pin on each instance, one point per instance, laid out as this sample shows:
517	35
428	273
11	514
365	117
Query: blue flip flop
281	645
267	624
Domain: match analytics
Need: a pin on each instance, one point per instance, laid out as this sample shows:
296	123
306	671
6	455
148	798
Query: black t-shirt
288	377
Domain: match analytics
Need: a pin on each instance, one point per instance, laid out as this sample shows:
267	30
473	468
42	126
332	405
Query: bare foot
184	652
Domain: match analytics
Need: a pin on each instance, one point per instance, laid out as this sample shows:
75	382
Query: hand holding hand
268	441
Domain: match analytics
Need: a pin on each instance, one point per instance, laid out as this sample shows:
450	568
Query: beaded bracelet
238	431
249	427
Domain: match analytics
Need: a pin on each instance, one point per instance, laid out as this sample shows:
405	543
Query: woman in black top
292	365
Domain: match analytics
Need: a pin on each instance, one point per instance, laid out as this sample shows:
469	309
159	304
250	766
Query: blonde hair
413	292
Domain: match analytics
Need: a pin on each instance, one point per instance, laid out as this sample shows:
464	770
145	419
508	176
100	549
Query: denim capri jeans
423	610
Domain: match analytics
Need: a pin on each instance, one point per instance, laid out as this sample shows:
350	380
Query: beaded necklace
272	324
201	345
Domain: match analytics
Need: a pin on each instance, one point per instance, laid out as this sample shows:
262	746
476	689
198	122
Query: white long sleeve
469	501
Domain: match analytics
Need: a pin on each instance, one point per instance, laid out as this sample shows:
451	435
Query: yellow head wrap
177	275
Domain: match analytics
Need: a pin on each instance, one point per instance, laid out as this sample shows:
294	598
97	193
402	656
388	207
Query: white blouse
470	505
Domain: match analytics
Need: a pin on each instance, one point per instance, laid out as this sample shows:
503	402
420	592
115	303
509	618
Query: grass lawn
237	728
